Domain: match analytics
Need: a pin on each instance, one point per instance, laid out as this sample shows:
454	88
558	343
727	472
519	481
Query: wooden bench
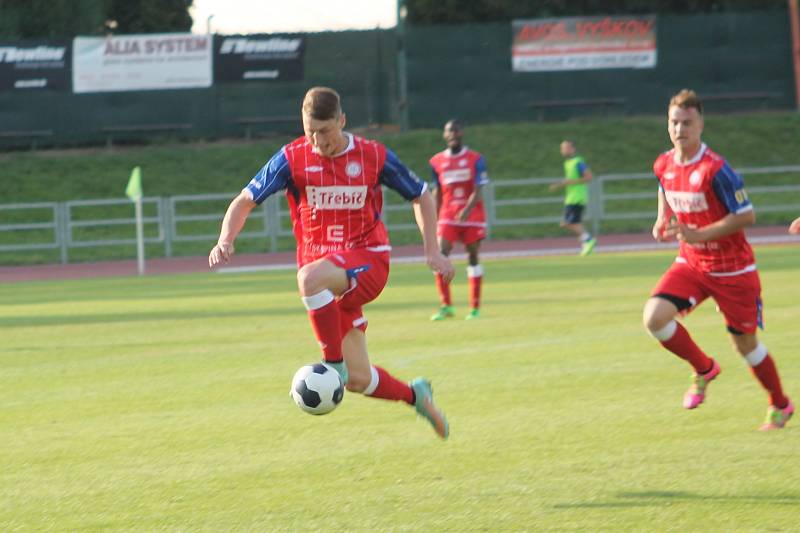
762	97
141	128
603	103
33	135
250	122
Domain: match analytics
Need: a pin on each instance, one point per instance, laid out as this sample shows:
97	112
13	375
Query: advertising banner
27	65
141	62
258	58
583	43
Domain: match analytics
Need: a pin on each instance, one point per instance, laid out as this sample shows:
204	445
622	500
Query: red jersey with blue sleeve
457	176
701	192
335	202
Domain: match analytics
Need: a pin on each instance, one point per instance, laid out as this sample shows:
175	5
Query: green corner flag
134	188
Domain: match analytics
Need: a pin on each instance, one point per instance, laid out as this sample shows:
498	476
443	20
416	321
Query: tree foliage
150	16
35	19
477	11
32	19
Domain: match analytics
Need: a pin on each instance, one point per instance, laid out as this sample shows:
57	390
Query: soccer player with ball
702	202
332	181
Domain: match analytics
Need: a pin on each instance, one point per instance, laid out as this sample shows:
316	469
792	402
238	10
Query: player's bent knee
656	316
312	278
304	276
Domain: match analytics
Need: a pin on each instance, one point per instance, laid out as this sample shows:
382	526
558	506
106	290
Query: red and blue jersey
701	192
457	176
335	202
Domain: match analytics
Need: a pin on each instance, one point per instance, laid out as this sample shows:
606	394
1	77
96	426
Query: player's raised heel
697	392
445	311
341	368
777	417
423	402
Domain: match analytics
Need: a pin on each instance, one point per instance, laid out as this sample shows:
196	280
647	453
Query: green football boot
445	311
423	402
588	246
473	314
341	368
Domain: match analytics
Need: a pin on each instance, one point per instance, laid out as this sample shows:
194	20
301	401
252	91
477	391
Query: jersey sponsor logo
456	176
687	202
352	169
335	233
695	177
462	163
314	168
337	197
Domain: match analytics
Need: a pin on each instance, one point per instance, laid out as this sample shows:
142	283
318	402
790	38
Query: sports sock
388	387
763	368
676	339
475	275
323	311
586	236
444	290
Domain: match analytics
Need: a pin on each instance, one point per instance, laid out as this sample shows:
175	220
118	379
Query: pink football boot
697	392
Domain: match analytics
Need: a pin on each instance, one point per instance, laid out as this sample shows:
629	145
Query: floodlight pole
402	80
794	18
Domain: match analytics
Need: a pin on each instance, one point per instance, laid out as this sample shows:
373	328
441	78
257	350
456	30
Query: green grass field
160	404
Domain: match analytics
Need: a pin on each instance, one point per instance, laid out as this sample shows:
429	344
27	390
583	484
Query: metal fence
521	205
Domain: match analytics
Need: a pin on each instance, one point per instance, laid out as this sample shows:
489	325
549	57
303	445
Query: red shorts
738	297
464	234
368	272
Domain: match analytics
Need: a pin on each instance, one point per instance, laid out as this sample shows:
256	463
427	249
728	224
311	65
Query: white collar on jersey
350	145
449	152
693	160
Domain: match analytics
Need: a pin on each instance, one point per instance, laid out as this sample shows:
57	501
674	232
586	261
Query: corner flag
134	188
134	192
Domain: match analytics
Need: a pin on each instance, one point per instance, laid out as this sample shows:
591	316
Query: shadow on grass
659	497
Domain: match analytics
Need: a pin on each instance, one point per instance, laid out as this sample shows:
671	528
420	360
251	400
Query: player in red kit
333	180
702	203
459	175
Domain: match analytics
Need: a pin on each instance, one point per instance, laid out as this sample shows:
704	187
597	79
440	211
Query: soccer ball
317	388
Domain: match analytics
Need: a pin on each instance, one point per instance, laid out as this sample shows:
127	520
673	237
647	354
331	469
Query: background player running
577	175
702	203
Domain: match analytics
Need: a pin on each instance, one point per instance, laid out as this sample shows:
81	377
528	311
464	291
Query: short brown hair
687	99
322	103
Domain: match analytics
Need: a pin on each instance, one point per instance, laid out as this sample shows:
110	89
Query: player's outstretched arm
794	228
725	226
232	224
425	214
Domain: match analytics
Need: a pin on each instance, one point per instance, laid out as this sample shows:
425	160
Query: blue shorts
573	213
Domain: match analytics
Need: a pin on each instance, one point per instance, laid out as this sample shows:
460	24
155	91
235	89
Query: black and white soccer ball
317	388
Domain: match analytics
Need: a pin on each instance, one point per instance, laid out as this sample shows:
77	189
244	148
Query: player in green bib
576	176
